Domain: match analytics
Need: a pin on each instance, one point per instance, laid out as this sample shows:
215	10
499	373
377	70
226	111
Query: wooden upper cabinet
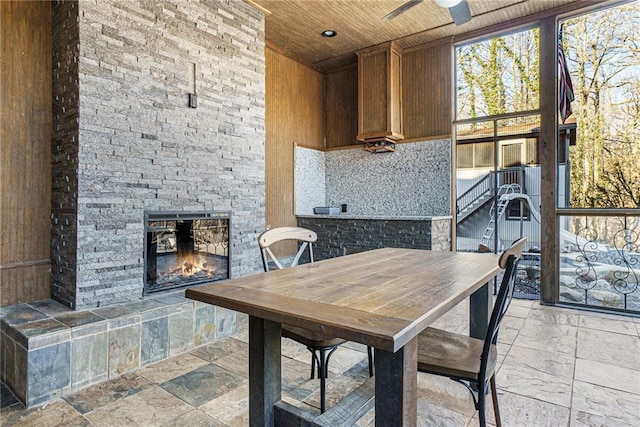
379	93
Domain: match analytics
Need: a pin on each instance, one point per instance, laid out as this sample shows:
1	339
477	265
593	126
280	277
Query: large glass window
498	75
599	185
603	64
497	132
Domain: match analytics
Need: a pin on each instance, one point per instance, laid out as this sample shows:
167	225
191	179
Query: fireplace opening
185	248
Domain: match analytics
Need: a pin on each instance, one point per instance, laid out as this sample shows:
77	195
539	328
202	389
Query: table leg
396	386
480	305
265	382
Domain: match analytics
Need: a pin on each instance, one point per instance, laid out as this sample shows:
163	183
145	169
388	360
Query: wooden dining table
382	298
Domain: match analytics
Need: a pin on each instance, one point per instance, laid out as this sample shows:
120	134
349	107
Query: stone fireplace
185	248
133	166
126	140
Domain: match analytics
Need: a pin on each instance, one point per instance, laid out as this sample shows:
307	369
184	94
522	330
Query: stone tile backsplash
415	180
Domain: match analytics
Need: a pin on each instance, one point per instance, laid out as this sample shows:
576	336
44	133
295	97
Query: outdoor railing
527	279
600	259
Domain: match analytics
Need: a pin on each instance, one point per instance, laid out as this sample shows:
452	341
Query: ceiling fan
459	10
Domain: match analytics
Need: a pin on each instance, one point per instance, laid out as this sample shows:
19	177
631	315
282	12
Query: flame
193	264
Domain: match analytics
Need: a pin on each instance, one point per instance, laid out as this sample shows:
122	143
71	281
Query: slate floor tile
220	349
338	386
594	361
557	338
232	408
102	394
444	393
608	323
609	347
55	413
203	384
195	418
237	363
555	315
615	377
524	411
617	407
171	368
150	407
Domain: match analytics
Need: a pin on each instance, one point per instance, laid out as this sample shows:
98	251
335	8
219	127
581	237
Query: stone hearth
49	350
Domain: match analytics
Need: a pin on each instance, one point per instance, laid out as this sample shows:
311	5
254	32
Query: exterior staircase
481	193
474	198
477	203
497	189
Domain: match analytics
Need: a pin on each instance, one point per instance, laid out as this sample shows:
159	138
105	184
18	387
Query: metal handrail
486	185
472	191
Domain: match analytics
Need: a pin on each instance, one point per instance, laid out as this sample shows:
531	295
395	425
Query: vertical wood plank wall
427	82
294	115
341	106
25	152
427	93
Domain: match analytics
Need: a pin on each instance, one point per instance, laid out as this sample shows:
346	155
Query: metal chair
321	346
471	361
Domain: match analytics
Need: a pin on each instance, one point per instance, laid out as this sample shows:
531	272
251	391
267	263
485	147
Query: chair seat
309	338
449	354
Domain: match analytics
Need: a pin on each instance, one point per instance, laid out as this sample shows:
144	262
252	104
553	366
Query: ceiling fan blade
408	5
460	12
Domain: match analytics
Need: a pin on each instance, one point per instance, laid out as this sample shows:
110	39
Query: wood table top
382	298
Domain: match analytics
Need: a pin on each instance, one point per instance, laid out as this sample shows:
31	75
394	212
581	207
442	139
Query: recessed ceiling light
329	33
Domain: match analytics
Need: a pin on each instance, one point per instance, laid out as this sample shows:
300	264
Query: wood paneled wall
427	96
427	91
294	115
25	163
341	107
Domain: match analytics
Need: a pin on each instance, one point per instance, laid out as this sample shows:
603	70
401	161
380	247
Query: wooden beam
345	413
549	229
396	386
265	381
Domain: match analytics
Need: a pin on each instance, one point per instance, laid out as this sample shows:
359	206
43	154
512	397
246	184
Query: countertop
376	217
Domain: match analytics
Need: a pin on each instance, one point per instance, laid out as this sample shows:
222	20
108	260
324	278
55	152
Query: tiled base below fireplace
48	350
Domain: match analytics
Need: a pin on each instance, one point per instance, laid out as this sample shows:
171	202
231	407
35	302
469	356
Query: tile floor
558	367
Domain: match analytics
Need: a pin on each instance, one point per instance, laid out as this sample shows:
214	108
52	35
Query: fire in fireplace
185	248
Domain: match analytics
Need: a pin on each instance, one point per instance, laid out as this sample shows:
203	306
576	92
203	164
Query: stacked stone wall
64	151
337	237
139	145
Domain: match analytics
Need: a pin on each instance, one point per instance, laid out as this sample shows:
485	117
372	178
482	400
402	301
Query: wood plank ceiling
294	26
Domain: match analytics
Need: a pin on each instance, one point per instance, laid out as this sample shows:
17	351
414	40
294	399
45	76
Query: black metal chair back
509	261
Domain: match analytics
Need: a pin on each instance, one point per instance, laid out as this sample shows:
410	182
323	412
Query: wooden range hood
379	97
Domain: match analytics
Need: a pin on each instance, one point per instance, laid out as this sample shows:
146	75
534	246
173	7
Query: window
511	155
497	76
517	211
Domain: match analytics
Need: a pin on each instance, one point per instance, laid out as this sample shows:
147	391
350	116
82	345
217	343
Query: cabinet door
379	93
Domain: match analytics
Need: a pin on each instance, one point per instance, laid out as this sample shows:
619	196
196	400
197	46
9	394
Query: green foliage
498	75
501	75
603	56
